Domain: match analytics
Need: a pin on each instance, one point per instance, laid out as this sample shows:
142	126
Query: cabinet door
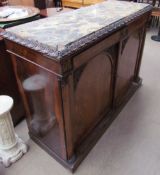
92	95
126	65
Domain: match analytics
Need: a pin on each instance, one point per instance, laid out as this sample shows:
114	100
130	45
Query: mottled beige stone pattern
66	28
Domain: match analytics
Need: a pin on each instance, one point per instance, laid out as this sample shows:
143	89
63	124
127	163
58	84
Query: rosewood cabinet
73	95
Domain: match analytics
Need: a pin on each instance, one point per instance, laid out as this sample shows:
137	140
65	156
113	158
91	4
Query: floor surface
131	145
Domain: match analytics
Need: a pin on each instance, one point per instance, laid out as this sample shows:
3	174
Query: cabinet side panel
41	96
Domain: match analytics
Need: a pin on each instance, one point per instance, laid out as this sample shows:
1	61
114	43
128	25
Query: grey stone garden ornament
12	147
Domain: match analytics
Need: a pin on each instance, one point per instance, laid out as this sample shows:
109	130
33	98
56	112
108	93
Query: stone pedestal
11	146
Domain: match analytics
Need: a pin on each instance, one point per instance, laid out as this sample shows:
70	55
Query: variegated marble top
65	33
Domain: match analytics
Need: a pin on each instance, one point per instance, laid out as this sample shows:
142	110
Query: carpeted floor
131	146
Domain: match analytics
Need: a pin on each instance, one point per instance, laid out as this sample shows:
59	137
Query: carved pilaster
67	65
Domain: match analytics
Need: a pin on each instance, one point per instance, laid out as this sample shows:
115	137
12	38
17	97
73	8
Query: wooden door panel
126	64
92	95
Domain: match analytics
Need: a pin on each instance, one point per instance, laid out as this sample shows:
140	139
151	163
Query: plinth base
9	156
156	38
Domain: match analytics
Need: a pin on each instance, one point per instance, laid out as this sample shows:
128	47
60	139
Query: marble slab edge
79	44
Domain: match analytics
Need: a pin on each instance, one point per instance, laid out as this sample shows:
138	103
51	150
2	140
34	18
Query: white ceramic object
11	146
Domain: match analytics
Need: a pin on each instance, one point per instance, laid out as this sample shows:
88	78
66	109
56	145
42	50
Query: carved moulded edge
81	43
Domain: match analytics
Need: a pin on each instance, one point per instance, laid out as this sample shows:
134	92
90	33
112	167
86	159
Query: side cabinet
128	62
70	102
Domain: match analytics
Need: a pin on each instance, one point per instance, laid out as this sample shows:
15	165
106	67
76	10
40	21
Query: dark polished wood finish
70	103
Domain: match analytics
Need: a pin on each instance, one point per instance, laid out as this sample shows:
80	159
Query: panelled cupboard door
92	94
126	64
